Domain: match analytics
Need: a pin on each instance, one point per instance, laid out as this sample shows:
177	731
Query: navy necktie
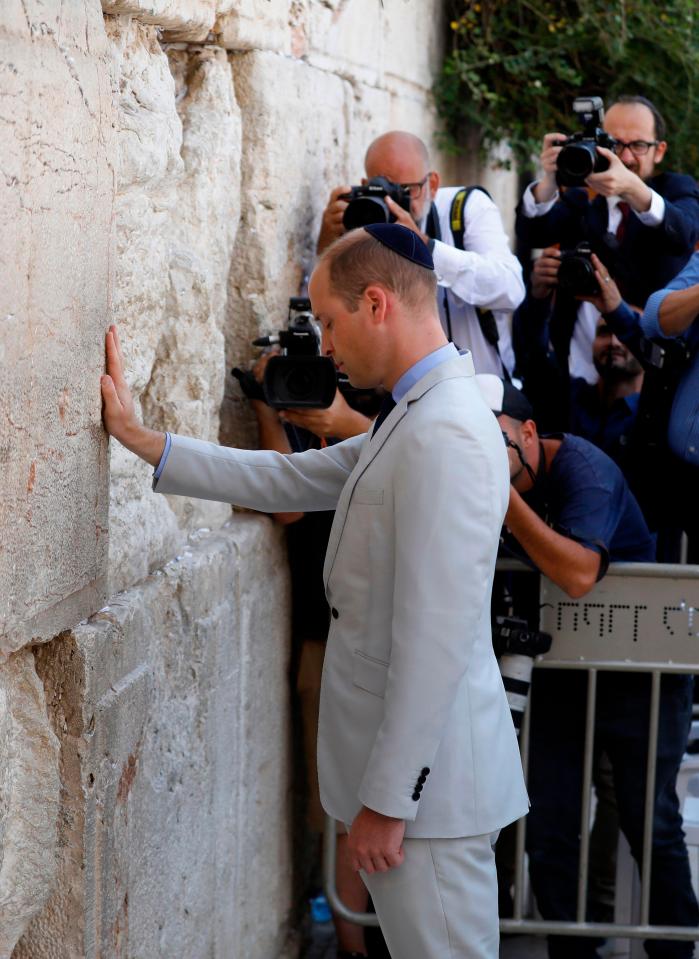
386	407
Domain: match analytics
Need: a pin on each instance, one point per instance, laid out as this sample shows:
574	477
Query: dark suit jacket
647	257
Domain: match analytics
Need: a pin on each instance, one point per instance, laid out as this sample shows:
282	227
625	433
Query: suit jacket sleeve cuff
389	804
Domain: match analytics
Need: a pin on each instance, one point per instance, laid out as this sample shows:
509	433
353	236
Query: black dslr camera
300	377
367	204
579	157
576	274
516	646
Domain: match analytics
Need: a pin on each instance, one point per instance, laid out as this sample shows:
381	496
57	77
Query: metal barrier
636	613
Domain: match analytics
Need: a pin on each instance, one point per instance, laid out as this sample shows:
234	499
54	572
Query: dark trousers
555	783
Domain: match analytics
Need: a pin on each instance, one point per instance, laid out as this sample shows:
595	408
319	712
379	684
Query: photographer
570	514
603	412
480	280
642	224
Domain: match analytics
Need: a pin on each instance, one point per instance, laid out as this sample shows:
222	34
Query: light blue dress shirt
421	368
683	430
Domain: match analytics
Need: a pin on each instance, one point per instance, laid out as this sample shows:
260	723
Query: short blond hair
358	260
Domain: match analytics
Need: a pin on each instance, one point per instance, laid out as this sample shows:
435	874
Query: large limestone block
184	19
251	25
286	180
393	44
56	256
177	212
171	706
29	794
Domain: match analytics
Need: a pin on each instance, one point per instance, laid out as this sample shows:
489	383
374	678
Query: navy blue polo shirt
586	498
606	427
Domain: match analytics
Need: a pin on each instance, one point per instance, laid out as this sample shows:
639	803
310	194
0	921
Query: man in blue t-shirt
571	513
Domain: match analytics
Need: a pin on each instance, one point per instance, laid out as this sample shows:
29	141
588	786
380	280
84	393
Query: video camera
367	204
300	377
579	157
516	646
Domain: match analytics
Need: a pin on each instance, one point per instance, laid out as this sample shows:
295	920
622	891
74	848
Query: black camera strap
457	223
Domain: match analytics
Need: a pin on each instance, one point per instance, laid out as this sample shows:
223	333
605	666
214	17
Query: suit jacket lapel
459	366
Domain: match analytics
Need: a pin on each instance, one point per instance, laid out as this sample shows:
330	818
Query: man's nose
325	345
627	157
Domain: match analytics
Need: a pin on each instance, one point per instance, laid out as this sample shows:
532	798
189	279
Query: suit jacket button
421	780
425	771
335	613
416	795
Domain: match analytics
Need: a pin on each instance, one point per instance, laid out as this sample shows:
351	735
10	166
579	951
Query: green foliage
516	65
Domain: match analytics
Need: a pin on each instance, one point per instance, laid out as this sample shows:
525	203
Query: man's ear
660	151
529	433
434	181
377	301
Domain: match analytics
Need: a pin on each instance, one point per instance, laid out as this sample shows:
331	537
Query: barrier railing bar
586	800
540	927
647	863
330	888
654	570
617	666
521	822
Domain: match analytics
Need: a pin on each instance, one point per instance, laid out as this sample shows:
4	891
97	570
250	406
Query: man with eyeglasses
480	280
642	224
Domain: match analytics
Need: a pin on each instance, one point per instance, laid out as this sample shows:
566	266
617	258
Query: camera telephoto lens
577	276
307	382
576	162
364	211
300	384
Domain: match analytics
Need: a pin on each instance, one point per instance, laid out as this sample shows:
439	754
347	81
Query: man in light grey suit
417	753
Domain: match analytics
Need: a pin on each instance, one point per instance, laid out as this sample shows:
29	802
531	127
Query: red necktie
624	209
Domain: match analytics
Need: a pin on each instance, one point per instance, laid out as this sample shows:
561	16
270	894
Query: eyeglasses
414	189
639	148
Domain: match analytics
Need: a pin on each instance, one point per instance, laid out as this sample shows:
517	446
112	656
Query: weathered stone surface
250	25
177	212
285	185
56	197
171	707
184	19
29	793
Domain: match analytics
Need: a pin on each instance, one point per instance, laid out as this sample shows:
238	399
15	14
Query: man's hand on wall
331	226
339	420
619	181
375	842
118	411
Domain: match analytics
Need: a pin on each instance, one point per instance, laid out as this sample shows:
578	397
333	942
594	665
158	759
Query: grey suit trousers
441	902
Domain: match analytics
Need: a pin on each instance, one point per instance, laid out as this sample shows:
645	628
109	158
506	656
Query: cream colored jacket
414	722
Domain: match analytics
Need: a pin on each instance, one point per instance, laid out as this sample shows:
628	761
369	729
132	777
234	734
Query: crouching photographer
300	403
570	514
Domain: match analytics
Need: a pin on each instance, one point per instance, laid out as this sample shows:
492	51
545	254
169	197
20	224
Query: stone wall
164	166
